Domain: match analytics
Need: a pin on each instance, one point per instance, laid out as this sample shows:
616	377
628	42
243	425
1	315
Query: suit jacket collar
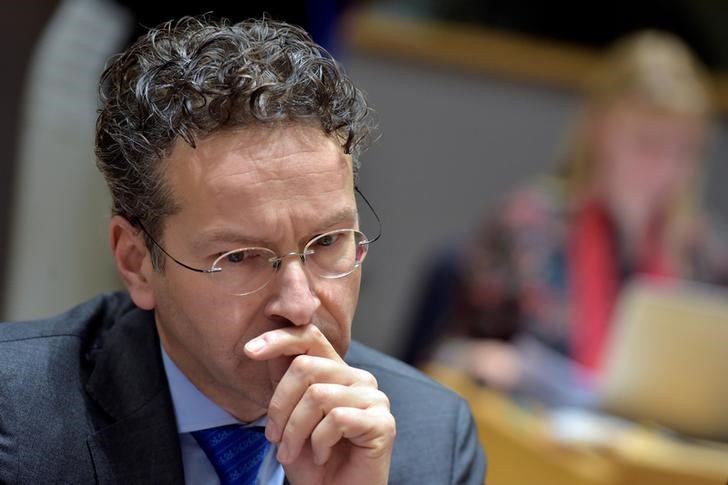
136	439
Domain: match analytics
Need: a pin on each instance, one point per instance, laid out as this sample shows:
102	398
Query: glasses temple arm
159	246
376	216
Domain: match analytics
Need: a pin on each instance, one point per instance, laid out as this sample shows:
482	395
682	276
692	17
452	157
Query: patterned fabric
514	275
593	259
235	452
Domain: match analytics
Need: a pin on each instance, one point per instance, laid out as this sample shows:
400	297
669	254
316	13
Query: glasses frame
275	261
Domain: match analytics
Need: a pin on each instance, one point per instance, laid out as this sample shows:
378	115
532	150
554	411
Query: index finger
291	341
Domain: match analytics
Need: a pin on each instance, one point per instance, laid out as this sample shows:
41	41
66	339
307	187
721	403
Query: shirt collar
192	409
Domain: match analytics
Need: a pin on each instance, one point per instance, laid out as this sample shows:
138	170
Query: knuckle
339	416
301	365
390	427
386	427
383	399
319	393
367	378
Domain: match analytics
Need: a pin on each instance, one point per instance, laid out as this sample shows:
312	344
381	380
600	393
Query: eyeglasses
243	271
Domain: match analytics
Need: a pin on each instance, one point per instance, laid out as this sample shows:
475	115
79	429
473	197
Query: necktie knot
235	452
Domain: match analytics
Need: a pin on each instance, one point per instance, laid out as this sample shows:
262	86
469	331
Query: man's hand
332	424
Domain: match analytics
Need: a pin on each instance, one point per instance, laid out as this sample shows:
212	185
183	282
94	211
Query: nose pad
295	298
278	262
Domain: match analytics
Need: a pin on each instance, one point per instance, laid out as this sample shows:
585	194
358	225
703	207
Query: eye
237	257
327	239
242	256
248	259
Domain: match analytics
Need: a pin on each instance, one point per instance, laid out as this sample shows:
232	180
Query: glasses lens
337	253
244	271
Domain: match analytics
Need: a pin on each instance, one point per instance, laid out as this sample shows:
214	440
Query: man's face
254	187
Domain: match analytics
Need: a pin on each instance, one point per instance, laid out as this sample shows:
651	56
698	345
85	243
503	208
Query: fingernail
282	455
255	345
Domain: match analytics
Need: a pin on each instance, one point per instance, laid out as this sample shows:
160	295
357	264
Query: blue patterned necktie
235	452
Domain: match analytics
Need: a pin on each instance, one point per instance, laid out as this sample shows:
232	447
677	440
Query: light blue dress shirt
194	411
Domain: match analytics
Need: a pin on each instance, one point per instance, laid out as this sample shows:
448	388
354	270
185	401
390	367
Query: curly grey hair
195	77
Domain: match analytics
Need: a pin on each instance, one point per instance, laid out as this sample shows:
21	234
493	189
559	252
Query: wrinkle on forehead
262	187
265	184
272	156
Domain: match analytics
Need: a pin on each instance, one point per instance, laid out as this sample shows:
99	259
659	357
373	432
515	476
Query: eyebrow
234	236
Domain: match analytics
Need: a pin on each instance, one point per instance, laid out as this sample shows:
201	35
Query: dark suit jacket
84	399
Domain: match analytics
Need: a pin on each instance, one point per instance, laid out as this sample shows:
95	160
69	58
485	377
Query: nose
294	298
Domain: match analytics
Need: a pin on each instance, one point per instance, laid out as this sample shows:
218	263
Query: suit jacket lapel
136	439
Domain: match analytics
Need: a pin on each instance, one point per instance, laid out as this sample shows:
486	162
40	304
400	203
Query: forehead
648	115
266	168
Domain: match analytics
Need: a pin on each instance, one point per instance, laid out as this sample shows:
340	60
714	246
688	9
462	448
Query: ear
133	261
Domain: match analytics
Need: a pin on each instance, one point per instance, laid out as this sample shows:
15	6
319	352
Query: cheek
675	177
349	294
203	316
338	300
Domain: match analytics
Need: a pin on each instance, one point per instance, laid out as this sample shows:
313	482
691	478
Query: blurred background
473	99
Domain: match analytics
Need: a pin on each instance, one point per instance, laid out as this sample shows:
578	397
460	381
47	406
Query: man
231	154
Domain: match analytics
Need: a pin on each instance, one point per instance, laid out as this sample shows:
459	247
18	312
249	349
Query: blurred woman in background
547	267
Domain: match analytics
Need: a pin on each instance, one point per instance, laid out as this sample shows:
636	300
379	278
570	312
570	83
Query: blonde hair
652	67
